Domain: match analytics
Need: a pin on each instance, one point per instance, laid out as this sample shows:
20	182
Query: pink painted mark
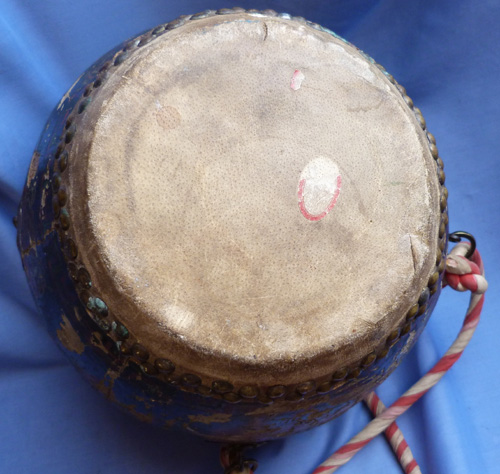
331	205
297	79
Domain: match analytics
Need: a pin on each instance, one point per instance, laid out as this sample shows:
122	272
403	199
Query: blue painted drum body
108	353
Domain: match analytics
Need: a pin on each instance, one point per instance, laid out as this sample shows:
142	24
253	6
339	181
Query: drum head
254	200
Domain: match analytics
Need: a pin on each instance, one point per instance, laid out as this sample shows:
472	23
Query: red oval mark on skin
333	201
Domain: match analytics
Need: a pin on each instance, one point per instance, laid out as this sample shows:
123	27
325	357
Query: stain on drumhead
167	117
319	188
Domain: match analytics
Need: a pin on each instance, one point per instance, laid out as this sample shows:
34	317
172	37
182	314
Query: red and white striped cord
395	437
461	274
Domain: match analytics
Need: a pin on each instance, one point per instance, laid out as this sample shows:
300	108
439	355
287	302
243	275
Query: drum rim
164	368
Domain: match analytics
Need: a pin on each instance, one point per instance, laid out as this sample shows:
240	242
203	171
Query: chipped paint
66	96
68	336
209	419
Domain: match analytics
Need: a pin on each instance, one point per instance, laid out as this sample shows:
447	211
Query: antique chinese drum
235	224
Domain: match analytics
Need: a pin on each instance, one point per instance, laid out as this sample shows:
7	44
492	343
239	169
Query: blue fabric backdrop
446	55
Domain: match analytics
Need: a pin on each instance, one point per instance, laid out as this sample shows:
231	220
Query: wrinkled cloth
445	54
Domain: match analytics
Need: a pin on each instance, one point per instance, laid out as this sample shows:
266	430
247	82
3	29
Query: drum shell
123	378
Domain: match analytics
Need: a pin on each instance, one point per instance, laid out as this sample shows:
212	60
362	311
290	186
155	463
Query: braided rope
461	274
394	436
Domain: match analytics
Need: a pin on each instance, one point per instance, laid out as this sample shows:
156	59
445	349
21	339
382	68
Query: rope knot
463	274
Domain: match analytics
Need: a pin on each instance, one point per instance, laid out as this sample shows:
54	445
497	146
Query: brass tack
56	208
276	392
64	219
369	360
354	373
56	182
408	101
84	278
204	391
306	387
190	380
140	352
406	329
231	397
70	134
424	296
165	366
382	353
221	386
148	369
294	396
63	161
442	229
71	249
324	387
73	271
340	374
62	196
249	391
444	202
434	150
441	176
264	399
422	309
393	336
120	58
412	312
433	279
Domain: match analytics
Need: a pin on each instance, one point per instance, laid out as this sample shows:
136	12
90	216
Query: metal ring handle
457	237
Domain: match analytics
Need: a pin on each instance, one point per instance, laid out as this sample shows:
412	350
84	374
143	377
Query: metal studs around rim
163	365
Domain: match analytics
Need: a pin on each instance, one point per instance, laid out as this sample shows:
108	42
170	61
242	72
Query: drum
235	224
